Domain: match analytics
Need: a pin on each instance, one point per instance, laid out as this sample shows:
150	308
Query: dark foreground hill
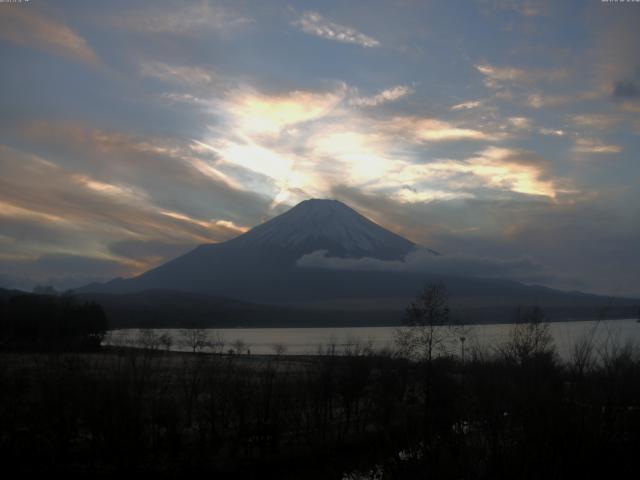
162	308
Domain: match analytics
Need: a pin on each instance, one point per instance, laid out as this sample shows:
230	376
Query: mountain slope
260	267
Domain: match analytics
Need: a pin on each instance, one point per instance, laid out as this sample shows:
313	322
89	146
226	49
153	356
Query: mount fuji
262	266
327	225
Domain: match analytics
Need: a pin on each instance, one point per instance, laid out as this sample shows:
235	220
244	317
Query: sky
493	131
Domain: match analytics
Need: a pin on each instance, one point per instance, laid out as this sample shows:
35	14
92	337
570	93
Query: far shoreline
373	325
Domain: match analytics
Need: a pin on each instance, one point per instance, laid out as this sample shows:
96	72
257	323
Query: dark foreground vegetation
515	413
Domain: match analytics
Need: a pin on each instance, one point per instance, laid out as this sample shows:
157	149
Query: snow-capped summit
262	264
330	225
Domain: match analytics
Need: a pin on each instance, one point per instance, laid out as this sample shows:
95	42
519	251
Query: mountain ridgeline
261	271
261	264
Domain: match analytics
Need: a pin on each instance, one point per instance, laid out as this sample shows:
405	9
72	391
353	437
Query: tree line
45	322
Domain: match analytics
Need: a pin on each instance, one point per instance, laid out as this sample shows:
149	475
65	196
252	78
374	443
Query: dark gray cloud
424	261
165	168
45	207
59	270
589	244
28	230
44	191
626	89
43	31
151	250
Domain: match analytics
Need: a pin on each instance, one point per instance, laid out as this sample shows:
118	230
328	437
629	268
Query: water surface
310	341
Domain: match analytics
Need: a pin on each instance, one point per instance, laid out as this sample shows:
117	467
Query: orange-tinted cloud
595	145
36	193
23	25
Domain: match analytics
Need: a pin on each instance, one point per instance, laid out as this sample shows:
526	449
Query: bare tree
148	339
166	341
239	346
427	324
279	349
583	359
217	343
427	329
194	338
330	349
530	336
356	347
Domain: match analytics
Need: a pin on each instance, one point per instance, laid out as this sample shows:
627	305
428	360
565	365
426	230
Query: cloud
525	8
48	209
409	195
297	144
180	19
630	106
257	113
425	261
615	52
499	169
315	24
494	168
149	251
513	170
520	123
598	121
625	89
496	76
378	154
434	130
539	100
189	76
467	105
586	238
388	95
543	100
129	156
223	226
552	131
84	203
25	26
62	271
595	145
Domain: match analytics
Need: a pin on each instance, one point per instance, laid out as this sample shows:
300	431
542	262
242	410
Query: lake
308	341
